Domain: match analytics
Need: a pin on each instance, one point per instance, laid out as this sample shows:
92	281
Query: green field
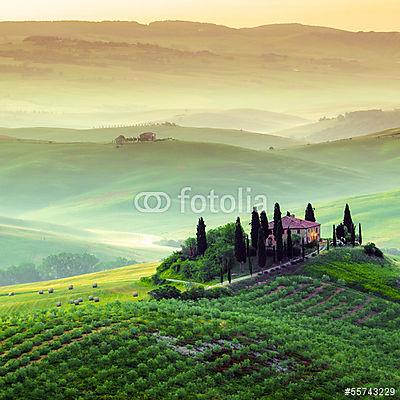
116	284
376	212
287	339
370	274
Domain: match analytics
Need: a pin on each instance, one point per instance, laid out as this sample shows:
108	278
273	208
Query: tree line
57	266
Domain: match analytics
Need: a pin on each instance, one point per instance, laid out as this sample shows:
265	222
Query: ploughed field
294	337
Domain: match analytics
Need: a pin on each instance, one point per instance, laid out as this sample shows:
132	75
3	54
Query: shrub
371	250
325	278
157	280
165	292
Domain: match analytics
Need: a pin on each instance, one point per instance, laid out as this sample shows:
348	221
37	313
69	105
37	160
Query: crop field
289	338
116	284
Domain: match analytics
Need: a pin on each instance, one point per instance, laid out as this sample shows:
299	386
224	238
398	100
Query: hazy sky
380	15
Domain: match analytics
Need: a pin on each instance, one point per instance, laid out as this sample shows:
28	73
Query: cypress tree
248	255
289	244
255	227
277	217
261	250
201	237
341	231
264	223
240	246
229	268
221	275
347	220
359	234
309	214
279	242
334	236
353	235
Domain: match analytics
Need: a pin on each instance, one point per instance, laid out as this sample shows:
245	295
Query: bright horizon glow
356	15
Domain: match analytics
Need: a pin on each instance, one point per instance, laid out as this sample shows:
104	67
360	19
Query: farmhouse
147	137
308	230
121	139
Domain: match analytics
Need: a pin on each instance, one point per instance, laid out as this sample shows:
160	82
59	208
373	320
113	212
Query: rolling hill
377	213
246	119
234	137
78	197
26	241
352	124
92	186
105	70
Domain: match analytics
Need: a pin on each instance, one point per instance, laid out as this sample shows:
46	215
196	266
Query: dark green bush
165	292
371	250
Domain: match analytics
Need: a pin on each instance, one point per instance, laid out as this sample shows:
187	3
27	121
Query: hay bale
70	287
11	294
77	302
41	292
135	294
96	299
94	285
80	300
58	304
91	298
51	290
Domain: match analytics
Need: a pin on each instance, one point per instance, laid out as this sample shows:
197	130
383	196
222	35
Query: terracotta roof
294	223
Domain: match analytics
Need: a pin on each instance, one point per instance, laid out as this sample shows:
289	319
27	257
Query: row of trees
246	247
58	266
216	251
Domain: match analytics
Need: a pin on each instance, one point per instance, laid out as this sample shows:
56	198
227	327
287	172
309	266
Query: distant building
143	137
121	139
147	137
308	230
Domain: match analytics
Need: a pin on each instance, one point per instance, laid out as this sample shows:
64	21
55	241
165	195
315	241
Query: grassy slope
116	284
24	241
352	125
93	184
360	271
376	212
233	137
